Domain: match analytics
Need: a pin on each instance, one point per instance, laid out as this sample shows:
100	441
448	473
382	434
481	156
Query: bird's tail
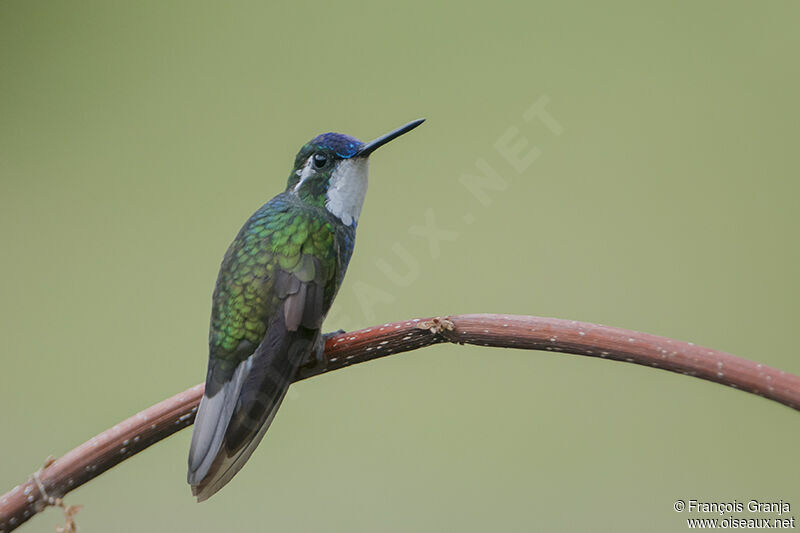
235	414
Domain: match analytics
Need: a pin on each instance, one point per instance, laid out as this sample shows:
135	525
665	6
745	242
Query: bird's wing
232	422
243	395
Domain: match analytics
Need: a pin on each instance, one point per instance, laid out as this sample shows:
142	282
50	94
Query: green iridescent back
287	239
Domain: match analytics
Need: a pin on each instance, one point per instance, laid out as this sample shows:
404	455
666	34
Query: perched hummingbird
274	288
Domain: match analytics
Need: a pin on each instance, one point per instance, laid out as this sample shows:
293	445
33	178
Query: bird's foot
326	336
316	359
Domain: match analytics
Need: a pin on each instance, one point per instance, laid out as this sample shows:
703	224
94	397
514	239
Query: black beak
371	146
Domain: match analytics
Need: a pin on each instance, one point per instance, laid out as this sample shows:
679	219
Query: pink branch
144	429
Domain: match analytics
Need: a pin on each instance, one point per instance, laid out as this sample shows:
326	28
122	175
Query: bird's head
331	171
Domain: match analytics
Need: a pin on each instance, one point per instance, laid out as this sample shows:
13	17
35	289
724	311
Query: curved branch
144	429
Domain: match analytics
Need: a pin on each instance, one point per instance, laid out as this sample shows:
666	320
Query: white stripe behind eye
306	172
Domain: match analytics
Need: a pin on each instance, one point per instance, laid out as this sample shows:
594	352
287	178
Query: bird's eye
320	160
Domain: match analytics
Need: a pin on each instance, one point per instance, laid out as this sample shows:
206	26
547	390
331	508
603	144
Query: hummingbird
275	286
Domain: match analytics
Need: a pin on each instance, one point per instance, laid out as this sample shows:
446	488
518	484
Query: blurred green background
136	138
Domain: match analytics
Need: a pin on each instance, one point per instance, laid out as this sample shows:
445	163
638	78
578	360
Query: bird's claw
326	336
316	359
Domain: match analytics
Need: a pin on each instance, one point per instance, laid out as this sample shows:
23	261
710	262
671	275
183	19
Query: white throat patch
347	189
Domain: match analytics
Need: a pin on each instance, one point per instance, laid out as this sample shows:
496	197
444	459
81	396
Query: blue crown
343	145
